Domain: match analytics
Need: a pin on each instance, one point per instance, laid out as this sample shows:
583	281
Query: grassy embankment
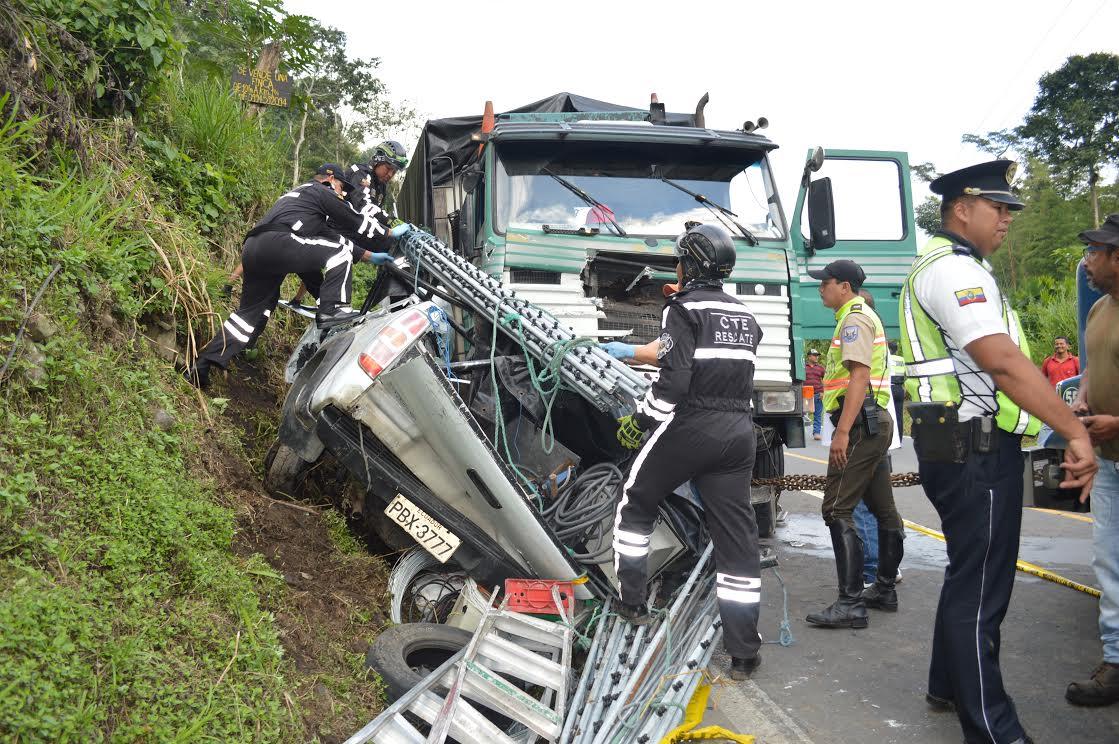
131	606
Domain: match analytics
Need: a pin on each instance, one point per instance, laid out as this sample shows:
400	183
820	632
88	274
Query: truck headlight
779	401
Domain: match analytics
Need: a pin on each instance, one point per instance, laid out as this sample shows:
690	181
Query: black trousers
980	507
715	450
267	259
897	389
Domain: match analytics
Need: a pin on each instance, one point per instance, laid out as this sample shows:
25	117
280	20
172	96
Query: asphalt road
869	685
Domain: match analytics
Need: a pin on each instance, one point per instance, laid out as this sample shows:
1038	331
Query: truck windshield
626	180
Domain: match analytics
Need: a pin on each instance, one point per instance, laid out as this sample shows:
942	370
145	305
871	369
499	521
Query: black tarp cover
450	138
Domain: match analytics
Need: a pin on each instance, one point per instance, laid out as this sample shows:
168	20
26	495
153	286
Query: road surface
869	685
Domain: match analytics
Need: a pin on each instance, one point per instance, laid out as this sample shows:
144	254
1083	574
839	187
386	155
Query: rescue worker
367	196
972	390
389	158
856	396
298	235
698	413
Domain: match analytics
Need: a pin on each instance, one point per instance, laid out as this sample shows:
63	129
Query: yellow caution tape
687	730
1023	566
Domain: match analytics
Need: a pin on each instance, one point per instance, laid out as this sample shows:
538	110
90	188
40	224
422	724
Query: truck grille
643	318
534	276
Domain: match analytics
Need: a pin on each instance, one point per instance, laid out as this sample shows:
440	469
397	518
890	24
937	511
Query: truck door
872	224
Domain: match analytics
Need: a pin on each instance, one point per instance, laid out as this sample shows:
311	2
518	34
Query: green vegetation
1067	140
135	604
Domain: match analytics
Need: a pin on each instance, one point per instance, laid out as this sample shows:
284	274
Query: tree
1074	122
998	143
342	100
927	215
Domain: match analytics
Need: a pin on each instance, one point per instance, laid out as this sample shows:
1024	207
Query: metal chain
805	482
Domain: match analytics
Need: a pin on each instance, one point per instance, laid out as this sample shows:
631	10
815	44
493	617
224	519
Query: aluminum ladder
508	648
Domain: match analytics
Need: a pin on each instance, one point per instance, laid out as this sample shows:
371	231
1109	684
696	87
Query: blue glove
401	229
618	350
379	258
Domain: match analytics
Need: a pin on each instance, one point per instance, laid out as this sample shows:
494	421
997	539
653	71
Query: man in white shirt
973	389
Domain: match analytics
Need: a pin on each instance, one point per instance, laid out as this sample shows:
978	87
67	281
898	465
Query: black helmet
706	251
391	153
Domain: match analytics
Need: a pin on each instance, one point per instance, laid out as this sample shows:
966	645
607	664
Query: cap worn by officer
843	270
1106	234
338	172
990	180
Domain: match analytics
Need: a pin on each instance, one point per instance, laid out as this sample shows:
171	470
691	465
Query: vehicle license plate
434	537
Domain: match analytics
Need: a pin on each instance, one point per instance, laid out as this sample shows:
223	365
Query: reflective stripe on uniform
234	331
836	375
737	595
741	589
942	366
316	241
241	323
655	402
733	307
718	353
630	543
636	468
931	368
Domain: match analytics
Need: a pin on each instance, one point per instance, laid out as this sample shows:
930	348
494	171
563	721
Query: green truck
575	204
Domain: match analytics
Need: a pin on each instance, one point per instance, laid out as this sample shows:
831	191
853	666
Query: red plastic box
534	596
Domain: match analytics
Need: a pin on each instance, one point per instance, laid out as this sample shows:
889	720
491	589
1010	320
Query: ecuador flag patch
968	296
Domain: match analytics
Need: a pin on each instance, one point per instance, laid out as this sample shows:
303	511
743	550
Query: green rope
547	382
785	637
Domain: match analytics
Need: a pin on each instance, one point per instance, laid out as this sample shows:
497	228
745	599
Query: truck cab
575	204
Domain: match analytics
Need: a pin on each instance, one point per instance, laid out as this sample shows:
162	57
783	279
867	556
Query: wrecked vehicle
467	410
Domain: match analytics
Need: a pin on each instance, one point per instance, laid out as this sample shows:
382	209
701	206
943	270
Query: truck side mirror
821	214
470	180
816	161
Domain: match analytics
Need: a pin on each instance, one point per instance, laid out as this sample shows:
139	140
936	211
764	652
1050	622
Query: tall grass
124	614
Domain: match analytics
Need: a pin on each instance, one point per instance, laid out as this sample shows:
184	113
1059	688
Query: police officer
698	412
301	234
897	384
972	390
856	396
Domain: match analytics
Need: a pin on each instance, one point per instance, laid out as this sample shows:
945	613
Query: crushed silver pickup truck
521	482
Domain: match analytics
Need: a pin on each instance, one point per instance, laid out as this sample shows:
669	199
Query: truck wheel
283	470
769	462
766	518
404	654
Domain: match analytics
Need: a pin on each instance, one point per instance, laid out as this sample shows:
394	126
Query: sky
867	75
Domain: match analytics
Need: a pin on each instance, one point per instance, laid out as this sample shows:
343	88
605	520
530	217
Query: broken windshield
625	178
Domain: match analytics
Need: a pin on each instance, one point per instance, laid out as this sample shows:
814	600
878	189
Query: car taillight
392	340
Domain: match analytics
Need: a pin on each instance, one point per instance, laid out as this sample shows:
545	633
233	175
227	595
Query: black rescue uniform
698	416
301	234
366	201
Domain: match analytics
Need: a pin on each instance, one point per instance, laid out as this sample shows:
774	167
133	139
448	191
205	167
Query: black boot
198	374
741	669
848	611
882	596
338	317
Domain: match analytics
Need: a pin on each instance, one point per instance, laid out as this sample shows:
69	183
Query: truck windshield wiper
713	206
589	200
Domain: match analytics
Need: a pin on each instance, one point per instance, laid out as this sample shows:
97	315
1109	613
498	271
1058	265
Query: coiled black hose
580	512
